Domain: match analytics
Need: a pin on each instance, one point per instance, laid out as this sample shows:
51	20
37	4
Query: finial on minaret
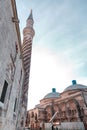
30	16
30	20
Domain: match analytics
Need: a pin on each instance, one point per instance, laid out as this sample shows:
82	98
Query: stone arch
77	107
36	117
62	111
32	114
48	112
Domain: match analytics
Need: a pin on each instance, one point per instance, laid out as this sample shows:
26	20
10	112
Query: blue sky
59	46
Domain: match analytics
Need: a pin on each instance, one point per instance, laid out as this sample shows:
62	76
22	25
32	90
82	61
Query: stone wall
11	69
71	126
66	126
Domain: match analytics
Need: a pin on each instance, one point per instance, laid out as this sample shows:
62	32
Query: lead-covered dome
53	94
75	86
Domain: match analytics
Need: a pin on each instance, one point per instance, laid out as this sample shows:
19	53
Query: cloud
59	46
48	70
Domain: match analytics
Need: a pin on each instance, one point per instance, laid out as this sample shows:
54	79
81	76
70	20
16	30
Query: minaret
28	34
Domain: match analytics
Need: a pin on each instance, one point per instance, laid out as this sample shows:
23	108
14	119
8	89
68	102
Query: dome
53	94
75	86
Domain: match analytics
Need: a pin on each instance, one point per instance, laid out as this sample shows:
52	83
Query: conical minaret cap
29	26
30	16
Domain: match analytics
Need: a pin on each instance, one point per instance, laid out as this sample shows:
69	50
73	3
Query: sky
59	48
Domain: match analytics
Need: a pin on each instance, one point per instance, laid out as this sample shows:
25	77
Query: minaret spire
30	20
31	15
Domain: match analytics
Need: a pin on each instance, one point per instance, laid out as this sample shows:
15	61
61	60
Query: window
16	46
15	104
0	111
4	92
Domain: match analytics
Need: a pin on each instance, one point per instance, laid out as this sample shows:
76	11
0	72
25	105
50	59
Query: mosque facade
15	59
68	107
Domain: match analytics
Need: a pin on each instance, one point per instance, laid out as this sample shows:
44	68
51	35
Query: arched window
32	114
4	92
16	46
35	116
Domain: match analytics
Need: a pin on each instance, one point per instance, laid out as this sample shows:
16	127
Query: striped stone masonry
28	34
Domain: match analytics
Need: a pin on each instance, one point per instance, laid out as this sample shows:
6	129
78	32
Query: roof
53	94
75	86
30	16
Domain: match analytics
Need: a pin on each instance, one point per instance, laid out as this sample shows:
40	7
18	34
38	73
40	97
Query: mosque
70	106
67	107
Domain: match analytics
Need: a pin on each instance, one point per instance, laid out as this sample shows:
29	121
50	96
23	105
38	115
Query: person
52	127
40	128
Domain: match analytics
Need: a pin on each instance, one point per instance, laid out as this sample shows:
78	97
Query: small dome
53	94
75	86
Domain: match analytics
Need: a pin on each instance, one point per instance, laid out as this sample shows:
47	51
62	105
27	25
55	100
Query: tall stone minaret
28	34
